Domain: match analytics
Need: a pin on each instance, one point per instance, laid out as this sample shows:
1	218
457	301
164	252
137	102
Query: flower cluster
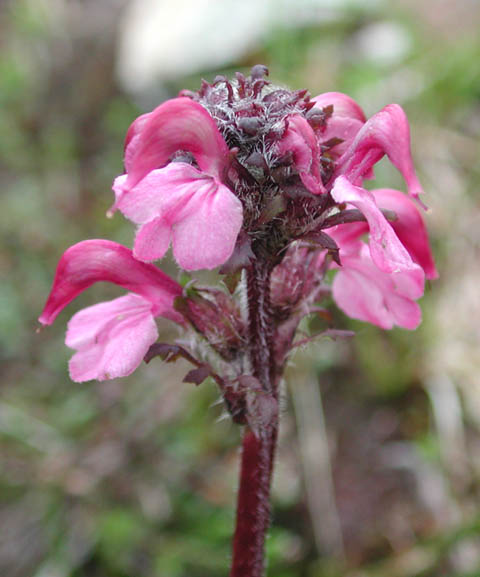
260	180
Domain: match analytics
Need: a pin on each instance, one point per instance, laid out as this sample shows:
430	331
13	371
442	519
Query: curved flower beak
179	124
387	132
409	226
92	261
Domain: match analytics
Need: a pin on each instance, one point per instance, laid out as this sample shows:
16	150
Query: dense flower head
251	156
244	172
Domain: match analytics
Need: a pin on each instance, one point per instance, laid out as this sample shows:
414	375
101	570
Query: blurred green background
378	470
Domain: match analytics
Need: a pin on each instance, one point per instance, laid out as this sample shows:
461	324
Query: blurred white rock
383	43
161	40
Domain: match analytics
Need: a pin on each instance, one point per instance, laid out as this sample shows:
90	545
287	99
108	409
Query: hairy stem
258	450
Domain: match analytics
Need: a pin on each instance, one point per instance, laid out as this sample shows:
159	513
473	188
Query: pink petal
387	132
92	261
300	140
110	338
409	227
388	253
349	236
178	202
153	239
342	104
340	127
365	293
133	132
161	191
204	229
345	122
179	124
206	234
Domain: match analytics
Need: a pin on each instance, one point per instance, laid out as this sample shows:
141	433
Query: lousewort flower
267	184
111	338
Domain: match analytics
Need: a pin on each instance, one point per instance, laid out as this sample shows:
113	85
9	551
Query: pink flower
110	338
179	203
179	124
381	283
363	144
364	292
345	122
386	250
300	140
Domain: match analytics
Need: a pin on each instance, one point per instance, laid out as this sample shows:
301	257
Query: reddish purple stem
253	505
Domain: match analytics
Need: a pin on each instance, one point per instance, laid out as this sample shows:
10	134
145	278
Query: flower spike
267	182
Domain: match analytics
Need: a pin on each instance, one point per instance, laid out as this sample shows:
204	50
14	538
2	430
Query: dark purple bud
344	217
259	71
250	125
188	94
316	118
256	159
275	95
295	97
169	353
301	93
219	78
328	144
205	89
293	279
328	110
